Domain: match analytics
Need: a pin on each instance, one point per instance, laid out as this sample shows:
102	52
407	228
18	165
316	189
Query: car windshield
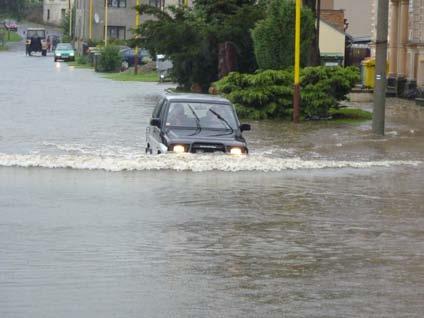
64	46
201	115
36	34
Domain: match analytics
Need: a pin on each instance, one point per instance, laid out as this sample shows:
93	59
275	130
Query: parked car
195	123
10	25
64	51
36	41
128	55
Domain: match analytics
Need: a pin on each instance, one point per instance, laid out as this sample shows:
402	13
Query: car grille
207	147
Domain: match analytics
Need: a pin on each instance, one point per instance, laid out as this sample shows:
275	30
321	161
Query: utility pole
296	91
70	19
380	68
106	22
90	29
137	23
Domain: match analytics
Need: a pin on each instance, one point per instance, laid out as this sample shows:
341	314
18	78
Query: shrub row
110	60
269	94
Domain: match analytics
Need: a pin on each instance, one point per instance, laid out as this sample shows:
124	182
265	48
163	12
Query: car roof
36	29
196	98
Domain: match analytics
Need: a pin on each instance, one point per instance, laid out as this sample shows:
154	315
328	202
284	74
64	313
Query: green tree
182	37
15	8
314	53
190	37
67	36
273	37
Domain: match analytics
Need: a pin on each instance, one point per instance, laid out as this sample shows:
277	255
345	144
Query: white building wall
55	10
331	41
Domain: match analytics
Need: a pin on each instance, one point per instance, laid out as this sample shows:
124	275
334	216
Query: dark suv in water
195	123
36	41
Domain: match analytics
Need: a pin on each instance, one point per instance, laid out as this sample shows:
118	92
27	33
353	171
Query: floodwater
321	220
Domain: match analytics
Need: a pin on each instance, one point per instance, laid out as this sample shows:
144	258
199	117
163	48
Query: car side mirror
155	122
245	127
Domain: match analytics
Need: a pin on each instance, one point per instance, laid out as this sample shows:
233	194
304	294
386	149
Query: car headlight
72	54
178	149
57	54
236	151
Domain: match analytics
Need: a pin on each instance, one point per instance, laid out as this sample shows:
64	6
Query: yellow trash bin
368	73
368	68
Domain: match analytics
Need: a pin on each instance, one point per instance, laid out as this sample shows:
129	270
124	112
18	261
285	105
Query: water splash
184	162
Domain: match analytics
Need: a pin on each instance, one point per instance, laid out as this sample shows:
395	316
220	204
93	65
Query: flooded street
321	220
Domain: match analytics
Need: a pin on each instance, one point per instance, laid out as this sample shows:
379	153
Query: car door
153	133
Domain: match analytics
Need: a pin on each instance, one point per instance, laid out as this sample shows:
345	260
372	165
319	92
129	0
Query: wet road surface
322	220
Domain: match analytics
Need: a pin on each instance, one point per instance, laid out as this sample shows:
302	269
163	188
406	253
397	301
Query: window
63	13
205	115
116	32
117	3
158	108
48	14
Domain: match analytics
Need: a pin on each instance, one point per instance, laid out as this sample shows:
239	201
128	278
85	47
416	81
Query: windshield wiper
199	128
222	119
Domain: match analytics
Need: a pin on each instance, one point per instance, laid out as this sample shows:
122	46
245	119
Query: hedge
269	94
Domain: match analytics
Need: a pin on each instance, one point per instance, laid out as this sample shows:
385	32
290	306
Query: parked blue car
128	55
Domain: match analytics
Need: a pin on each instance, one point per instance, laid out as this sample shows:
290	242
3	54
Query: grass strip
129	76
78	65
10	36
350	113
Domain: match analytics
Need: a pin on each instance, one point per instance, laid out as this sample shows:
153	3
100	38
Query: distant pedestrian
49	44
55	41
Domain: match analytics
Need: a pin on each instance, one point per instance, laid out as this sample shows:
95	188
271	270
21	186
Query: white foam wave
186	162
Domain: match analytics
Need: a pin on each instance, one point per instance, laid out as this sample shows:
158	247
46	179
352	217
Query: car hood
64	51
200	134
205	135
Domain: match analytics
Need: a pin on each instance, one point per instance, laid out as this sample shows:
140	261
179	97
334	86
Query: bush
273	37
82	59
94	43
66	38
110	60
269	94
